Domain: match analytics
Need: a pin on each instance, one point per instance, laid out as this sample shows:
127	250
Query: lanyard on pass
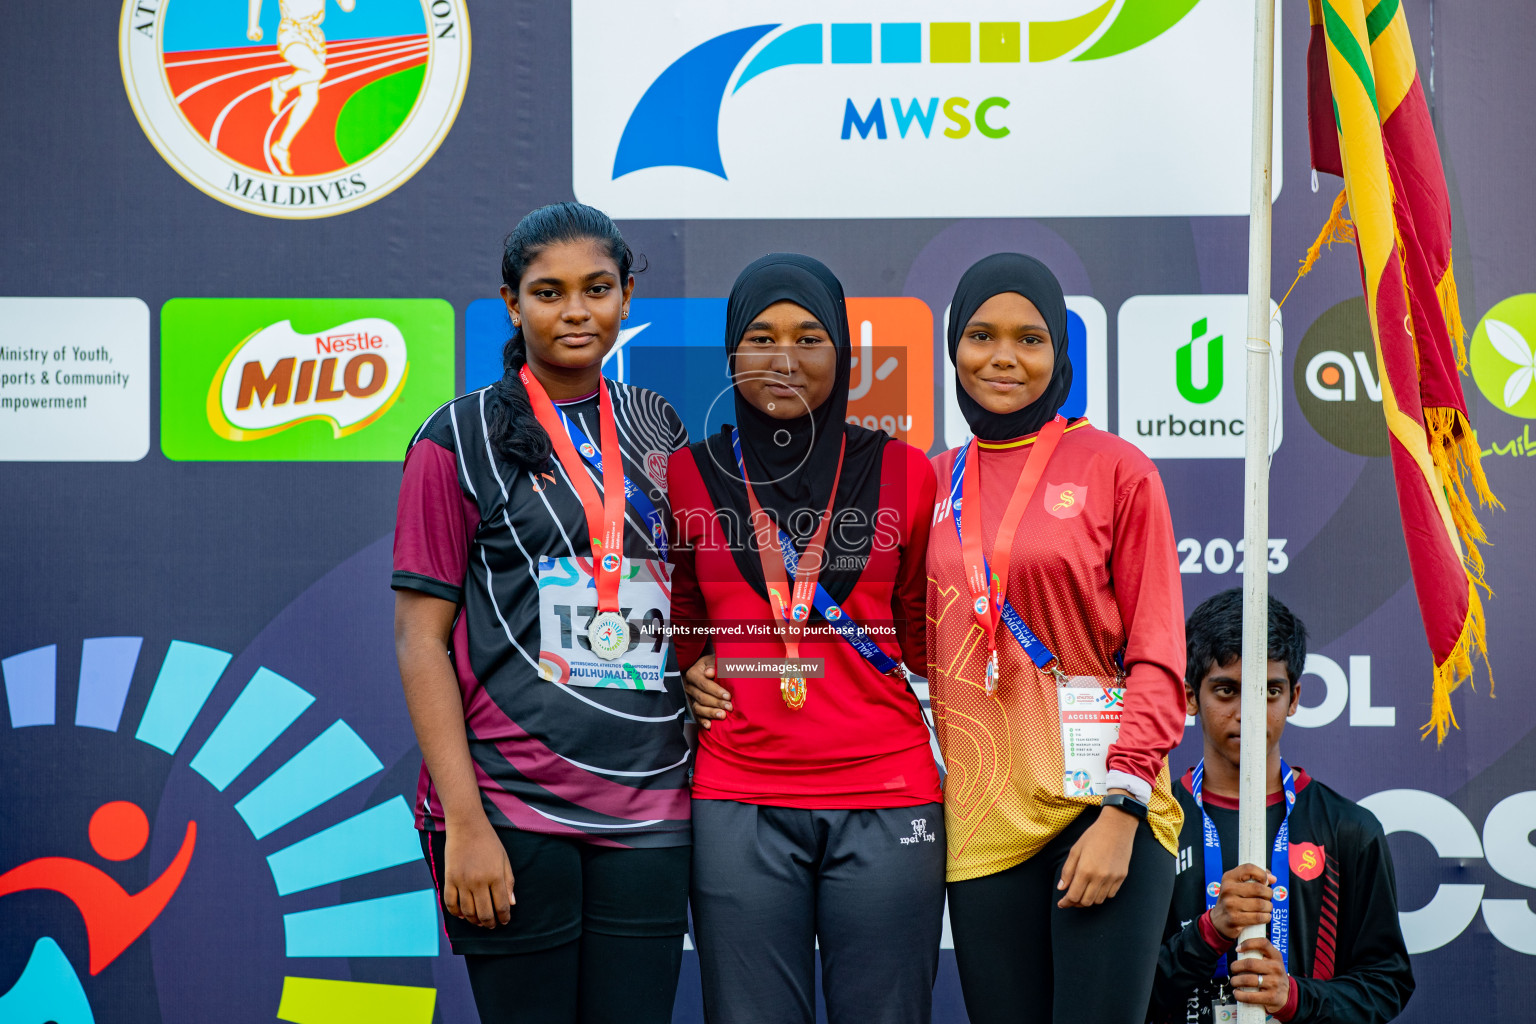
988	578
633	493
1279	864
608	632
838	619
791	604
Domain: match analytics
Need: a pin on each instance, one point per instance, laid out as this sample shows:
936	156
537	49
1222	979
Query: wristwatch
1128	804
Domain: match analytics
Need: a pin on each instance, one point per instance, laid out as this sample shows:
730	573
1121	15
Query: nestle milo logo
301	379
347	376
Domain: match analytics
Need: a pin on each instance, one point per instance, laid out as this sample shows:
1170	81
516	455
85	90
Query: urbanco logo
1182	375
301	379
1184	366
1337	382
295	108
1503	356
896	115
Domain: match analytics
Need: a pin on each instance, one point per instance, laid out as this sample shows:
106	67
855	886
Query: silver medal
609	636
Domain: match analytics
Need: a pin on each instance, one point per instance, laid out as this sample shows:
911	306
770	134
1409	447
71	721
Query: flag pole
1251	845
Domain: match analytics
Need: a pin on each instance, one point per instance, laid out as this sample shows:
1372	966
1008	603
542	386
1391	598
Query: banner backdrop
249	247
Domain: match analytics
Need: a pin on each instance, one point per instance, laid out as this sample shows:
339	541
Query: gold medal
792	689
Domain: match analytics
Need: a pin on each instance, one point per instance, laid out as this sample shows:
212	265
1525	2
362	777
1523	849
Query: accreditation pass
1090	722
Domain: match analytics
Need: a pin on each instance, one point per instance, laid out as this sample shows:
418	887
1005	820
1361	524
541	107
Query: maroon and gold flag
1369	124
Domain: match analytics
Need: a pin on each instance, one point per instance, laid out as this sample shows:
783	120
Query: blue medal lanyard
838	619
1279	864
636	496
1033	646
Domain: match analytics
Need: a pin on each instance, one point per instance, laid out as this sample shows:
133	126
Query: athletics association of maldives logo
295	108
677	121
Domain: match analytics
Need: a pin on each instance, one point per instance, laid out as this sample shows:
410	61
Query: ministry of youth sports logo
295	108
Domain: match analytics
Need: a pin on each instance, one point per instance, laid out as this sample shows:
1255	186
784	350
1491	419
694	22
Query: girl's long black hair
514	432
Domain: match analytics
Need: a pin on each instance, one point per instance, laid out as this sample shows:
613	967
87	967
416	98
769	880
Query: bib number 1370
645	630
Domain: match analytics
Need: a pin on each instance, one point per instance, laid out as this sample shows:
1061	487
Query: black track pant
1023	960
768	882
596	934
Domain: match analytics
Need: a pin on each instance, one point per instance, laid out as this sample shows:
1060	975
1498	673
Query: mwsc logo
1182	391
887	108
1337	382
295	108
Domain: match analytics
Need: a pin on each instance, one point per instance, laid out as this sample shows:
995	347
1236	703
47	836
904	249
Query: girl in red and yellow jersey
1055	656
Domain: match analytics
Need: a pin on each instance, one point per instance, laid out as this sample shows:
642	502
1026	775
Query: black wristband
1128	804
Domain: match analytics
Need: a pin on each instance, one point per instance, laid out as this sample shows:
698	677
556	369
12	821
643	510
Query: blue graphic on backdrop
677	121
1077	352
649	354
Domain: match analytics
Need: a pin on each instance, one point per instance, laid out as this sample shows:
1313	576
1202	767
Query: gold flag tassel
1339	228
1457	668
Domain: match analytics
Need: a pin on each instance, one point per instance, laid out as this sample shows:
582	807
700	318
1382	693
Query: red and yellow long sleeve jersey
1094	573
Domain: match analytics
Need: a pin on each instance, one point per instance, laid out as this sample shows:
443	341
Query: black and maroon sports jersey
1348	961
607	764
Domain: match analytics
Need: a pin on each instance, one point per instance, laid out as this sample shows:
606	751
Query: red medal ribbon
987	595
607	524
797	608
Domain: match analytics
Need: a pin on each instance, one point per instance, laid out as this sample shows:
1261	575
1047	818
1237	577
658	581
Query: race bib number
1090	723
567	606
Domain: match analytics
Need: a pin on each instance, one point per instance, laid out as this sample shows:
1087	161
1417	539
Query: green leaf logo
1503	358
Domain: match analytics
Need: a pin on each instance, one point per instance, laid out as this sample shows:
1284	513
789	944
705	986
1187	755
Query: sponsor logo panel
74	380
676	347
295	108
1337	382
312	380
897	113
1503	356
1182	375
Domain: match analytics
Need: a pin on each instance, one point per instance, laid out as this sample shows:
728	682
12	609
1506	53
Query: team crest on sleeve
1064	501
295	109
656	469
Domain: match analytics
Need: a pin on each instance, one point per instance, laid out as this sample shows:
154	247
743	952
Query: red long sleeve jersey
1094	572
860	741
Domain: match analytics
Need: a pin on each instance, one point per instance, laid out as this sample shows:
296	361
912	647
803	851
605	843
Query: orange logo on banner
891	386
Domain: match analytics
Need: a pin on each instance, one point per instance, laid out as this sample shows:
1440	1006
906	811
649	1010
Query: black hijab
1012	272
796	475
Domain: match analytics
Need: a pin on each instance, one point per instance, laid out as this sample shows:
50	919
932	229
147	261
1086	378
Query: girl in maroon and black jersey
553	803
